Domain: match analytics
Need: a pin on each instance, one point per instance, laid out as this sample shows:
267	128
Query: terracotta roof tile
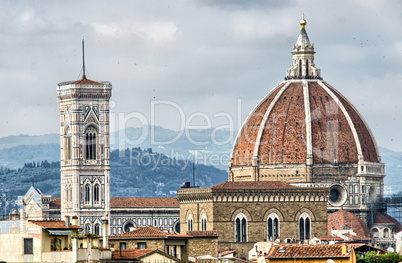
351	221
259	184
130	253
83	81
144	202
381	219
212	233
307	251
53	224
147	231
398	226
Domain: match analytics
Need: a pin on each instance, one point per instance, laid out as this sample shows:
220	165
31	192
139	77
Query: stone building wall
199	246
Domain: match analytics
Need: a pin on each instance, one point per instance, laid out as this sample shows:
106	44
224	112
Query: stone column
105	230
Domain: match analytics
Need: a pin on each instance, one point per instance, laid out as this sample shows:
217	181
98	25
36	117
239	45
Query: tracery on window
304	226
241	228
87	194
97	229
273	227
90	144
87	228
96	194
203	222
190	223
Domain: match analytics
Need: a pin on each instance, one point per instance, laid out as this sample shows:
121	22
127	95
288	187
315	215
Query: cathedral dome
306	133
302	121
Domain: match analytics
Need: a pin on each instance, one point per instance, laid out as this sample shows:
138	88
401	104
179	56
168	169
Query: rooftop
53	224
350	221
308	251
147	231
143	202
252	185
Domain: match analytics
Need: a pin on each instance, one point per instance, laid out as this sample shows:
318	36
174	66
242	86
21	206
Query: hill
210	147
135	172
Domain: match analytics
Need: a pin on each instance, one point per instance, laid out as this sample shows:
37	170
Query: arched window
97	229
304	226
190	223
307	67
300	67
203	222
87	228
96	194
55	244
375	232
68	147
273	227
241	228
90	144
87	193
70	190
386	233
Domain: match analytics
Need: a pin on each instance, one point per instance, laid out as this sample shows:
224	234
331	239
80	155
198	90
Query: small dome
345	220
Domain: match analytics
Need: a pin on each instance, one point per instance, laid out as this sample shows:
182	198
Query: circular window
337	195
128	226
176	227
334	195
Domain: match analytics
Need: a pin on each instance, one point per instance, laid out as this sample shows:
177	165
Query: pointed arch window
90	144
87	194
96	194
87	228
241	228
203	222
304	227
273	227
67	144
97	229
190	223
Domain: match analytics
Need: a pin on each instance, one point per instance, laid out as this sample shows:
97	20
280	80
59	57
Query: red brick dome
303	118
343	220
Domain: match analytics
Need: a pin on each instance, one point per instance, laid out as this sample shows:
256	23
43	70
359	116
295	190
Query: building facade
244	213
306	133
84	151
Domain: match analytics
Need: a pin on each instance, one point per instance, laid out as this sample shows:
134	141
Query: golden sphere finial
303	22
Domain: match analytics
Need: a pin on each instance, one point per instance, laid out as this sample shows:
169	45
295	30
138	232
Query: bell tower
84	150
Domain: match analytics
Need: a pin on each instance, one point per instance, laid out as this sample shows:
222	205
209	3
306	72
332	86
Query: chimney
67	221
74	220
105	231
343	249
186	185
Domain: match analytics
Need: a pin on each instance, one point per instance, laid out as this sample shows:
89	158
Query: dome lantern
303	57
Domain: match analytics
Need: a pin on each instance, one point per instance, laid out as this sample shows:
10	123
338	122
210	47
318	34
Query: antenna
83	60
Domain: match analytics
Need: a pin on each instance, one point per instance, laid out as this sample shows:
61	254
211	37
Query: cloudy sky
195	61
